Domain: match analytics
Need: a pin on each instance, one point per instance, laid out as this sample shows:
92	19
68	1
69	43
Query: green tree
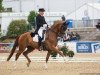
1	7
32	19
16	28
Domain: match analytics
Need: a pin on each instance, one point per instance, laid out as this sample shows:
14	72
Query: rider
40	21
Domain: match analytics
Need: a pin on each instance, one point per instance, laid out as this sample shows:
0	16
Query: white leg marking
45	65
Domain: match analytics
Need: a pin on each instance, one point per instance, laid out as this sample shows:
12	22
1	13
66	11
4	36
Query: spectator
63	18
66	37
69	32
77	36
98	26
73	37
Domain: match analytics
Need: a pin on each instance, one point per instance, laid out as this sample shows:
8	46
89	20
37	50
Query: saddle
40	36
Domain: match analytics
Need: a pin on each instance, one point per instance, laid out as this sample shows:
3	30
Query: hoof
15	66
45	66
64	59
28	64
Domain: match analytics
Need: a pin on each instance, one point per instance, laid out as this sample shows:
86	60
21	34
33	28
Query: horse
25	41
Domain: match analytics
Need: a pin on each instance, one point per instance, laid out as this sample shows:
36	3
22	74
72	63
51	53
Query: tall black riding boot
32	34
39	43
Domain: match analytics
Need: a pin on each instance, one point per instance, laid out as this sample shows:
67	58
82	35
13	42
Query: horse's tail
14	48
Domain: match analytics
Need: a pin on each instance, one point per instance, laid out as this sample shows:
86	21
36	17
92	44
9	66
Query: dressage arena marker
56	59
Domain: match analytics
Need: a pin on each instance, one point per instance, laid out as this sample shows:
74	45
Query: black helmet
41	10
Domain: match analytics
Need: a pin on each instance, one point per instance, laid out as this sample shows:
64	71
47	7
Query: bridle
63	28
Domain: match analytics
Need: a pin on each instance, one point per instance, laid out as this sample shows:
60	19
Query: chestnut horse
25	41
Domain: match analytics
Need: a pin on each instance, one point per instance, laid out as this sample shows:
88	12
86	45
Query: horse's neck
52	37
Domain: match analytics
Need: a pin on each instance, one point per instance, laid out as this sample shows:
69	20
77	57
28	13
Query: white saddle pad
35	38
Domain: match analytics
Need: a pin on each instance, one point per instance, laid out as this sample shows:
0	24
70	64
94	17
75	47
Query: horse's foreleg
59	52
29	49
47	57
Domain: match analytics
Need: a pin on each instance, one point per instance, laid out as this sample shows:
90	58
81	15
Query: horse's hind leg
21	49
25	53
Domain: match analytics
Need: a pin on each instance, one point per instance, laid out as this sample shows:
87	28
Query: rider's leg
39	43
41	38
43	35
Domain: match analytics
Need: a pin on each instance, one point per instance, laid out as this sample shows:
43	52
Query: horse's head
60	27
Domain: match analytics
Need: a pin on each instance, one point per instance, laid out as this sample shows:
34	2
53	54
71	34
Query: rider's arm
38	19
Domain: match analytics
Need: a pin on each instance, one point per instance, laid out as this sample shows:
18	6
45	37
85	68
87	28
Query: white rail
56	59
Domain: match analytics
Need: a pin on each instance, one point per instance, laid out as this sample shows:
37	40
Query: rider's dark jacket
40	21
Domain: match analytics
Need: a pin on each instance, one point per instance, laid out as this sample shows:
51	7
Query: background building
50	5
72	9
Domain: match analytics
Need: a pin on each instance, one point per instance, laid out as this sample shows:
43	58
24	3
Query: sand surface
54	68
70	68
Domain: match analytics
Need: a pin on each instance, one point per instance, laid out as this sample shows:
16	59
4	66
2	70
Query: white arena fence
77	47
54	59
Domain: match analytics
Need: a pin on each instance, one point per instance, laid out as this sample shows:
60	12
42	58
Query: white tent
92	10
